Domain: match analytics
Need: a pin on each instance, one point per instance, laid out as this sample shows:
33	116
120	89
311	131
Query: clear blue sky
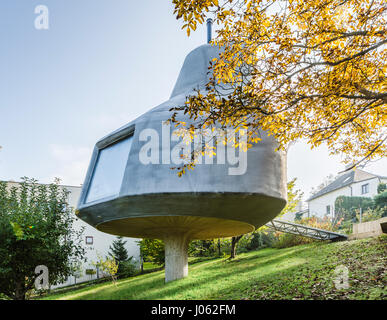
100	65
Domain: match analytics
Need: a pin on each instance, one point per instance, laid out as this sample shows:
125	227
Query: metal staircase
305	231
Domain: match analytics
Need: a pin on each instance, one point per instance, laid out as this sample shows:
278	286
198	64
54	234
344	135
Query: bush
4	297
371	215
127	269
152	250
347	207
108	266
244	244
286	240
90	272
381	202
261	239
382	187
202	248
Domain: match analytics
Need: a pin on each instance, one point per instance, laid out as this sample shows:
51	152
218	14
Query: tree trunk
234	242
20	293
219	247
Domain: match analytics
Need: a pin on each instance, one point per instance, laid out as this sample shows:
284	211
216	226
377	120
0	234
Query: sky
99	65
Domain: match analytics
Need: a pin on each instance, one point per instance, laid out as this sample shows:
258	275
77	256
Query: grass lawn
150	266
301	272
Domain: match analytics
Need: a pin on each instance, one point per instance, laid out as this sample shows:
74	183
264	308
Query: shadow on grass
140	289
302	272
231	271
197	260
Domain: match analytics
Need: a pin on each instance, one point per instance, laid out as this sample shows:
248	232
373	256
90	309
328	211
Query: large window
365	188
109	170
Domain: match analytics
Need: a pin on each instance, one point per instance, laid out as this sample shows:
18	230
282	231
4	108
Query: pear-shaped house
131	190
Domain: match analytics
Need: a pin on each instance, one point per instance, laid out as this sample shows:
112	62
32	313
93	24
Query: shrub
4	297
152	250
127	268
371	214
262	239
285	240
382	187
347	207
381	202
90	271
202	248
108	266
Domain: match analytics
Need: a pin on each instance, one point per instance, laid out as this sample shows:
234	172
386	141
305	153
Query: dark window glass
89	240
364	188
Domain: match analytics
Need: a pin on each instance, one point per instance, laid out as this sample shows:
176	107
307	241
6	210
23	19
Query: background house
300	209
356	182
94	241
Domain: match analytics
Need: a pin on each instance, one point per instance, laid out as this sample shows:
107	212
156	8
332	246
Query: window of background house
364	188
328	209
89	240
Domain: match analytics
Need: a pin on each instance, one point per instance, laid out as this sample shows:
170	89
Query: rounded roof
195	72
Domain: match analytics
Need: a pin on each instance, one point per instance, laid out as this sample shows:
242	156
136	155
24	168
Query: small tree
36	228
107	265
118	251
152	250
76	270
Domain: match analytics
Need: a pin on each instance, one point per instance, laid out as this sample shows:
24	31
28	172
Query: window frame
365	188
100	145
92	240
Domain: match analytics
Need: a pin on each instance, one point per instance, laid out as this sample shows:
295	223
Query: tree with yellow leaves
312	70
107	265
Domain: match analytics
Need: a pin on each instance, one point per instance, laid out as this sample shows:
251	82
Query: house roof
346	179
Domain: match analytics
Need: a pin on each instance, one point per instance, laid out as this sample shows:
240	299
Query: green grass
301	272
150	266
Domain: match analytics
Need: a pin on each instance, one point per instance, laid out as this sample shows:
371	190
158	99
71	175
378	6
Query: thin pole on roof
209	30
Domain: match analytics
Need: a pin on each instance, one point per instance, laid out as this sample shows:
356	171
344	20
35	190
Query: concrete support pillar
176	256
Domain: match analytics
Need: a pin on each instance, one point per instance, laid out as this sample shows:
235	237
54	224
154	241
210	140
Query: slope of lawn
301	272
